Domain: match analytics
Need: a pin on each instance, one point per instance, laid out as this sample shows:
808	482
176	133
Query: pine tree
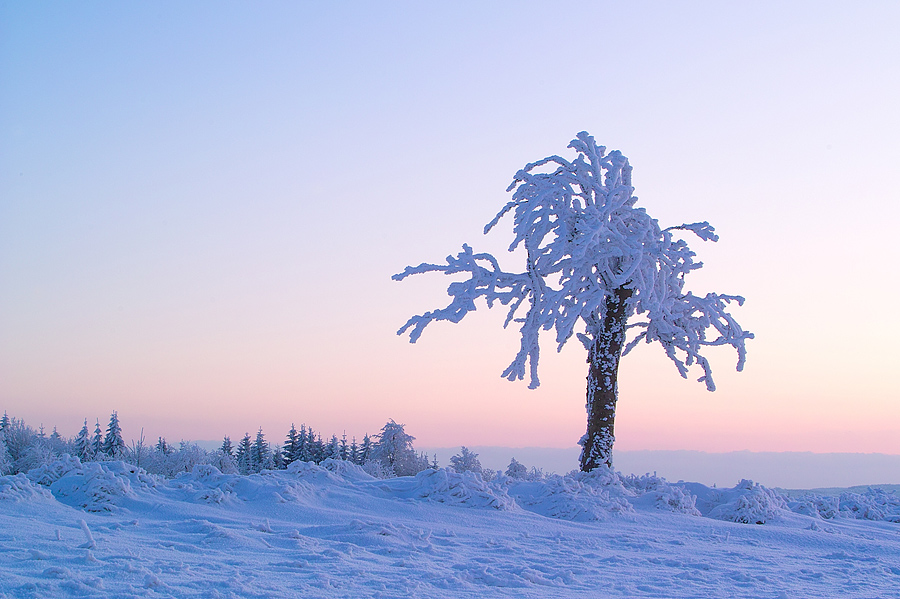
4	422
244	454
97	441
319	449
344	452
113	444
354	452
333	449
226	448
365	452
302	445
261	454
6	463
83	448
163	447
278	459
291	446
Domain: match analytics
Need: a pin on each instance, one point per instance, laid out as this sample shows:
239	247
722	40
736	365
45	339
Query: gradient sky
201	206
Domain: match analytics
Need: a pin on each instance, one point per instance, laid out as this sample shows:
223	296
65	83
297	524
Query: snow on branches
584	239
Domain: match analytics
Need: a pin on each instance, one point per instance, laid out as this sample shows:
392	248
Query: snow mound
100	486
661	494
17	487
874	504
320	475
47	474
347	470
747	503
447	486
577	496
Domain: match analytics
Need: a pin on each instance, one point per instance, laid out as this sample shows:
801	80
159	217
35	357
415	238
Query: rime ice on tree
594	261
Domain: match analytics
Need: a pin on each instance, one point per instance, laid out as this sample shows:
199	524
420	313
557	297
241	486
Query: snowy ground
109	530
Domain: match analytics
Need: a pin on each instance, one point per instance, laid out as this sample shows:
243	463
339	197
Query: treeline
389	453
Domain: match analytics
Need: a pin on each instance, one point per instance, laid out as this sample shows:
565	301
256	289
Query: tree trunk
602	386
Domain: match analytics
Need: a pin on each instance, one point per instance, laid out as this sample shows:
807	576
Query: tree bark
602	384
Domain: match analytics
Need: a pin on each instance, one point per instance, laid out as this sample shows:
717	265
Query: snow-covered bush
579	496
664	495
874	504
99	486
750	503
468	489
17	487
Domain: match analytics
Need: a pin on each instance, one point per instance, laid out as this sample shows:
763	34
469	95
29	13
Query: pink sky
200	213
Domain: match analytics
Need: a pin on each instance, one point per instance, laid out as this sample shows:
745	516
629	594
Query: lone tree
596	262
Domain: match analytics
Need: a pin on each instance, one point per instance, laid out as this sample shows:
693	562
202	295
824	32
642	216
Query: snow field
109	529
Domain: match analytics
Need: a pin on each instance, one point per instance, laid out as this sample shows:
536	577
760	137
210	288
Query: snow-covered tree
227	449
333	449
303	447
365	450
113	443
344	452
353	455
278	462
465	461
597	267
244	455
97	441
163	447
262	456
4	422
394	449
6	463
516	469
291	446
83	443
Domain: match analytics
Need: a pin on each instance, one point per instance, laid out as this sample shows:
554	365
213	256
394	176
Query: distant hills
789	470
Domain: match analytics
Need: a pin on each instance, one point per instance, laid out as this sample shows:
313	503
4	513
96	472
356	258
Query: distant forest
388	453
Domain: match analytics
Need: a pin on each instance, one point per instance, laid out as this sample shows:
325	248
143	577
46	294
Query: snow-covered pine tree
83	444
291	445
97	441
227	449
318	448
6	463
333	449
4	422
365	450
244	455
278	462
163	448
262	455
593	261
302	445
516	469
353	456
113	443
344	452
466	461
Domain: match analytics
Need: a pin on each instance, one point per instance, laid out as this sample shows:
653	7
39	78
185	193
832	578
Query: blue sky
201	206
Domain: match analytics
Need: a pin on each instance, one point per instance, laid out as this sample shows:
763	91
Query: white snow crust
110	529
